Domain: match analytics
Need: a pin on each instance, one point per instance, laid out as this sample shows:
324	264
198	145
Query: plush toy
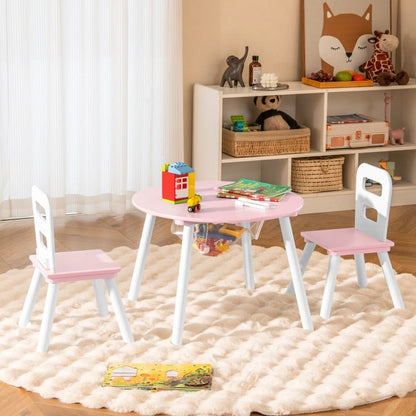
379	67
271	118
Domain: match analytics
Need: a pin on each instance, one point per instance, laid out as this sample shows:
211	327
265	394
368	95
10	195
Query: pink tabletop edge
213	209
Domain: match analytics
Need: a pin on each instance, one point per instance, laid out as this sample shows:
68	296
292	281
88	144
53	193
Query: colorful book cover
348	118
186	377
260	191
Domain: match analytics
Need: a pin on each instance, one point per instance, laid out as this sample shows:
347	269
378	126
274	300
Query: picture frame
335	34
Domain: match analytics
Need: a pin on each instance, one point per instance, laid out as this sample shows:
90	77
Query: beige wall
214	29
407	34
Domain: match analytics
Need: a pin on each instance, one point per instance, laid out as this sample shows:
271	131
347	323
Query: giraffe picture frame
335	34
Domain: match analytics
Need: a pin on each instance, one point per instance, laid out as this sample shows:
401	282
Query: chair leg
295	271
119	310
391	280
47	318
331	278
31	297
360	266
303	262
100	297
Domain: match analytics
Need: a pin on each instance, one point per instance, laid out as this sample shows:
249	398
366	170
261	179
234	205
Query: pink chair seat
78	265
346	241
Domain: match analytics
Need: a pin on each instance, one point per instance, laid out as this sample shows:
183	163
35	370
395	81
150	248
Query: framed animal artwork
335	33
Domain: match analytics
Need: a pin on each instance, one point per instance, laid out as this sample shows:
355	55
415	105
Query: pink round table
216	210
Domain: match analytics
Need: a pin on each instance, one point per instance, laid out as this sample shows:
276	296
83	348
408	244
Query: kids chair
368	236
73	266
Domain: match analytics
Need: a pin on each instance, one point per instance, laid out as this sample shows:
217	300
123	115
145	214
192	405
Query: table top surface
213	209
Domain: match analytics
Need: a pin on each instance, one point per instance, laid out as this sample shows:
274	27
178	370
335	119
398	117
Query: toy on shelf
194	203
239	123
270	117
379	68
395	135
234	72
389	166
178	182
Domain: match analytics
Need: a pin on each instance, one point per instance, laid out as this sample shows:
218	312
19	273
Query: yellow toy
194	203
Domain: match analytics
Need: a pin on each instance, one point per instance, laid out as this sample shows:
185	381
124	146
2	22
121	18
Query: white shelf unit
213	106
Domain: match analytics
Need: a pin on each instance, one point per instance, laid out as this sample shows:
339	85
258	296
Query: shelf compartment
271	171
404	163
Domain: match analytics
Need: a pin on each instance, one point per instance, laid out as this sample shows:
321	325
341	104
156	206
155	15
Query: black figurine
234	72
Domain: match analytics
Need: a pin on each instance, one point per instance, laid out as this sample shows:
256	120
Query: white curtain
90	100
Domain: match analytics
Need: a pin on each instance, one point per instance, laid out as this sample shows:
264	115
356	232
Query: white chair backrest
42	216
367	198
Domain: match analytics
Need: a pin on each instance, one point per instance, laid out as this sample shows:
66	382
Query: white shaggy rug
263	360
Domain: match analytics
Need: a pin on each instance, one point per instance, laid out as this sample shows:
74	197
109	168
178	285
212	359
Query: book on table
259	191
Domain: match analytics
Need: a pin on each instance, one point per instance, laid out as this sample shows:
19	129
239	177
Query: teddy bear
379	68
270	117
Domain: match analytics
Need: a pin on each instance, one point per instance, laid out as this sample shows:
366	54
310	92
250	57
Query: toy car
194	203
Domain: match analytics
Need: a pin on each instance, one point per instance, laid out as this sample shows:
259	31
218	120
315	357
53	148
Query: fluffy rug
263	360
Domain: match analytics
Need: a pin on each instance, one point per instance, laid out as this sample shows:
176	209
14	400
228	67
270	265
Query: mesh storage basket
317	174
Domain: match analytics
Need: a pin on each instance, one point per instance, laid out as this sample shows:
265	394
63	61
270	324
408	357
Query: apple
358	77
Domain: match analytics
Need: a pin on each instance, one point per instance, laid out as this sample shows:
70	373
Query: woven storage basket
266	143
317	174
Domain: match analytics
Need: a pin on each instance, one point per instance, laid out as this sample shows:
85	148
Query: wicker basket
317	174
266	143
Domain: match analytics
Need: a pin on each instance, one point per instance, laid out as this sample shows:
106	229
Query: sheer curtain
90	100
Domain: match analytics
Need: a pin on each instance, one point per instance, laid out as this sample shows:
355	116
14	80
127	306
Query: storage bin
317	174
266	143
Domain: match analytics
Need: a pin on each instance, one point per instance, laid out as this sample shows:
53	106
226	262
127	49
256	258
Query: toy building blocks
389	166
232	229
178	182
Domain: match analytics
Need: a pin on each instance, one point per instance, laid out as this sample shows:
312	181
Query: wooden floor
107	232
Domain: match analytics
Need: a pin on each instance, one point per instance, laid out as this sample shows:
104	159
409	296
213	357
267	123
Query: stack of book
254	190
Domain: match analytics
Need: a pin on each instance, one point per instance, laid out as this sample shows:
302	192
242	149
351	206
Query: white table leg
295	271
182	288
247	257
141	256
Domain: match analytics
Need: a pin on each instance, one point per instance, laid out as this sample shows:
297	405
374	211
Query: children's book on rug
155	377
246	188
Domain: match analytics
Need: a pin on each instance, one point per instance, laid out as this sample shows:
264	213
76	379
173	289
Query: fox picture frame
335	33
